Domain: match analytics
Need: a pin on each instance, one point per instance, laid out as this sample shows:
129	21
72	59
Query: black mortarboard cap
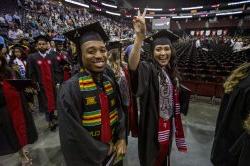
162	35
89	32
21	83
41	37
114	45
24	38
18	46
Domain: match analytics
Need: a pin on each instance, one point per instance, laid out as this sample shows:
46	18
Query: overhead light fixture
108	5
149	17
98	9
214	6
228	13
182	16
238	3
94	1
77	3
171	10
154	9
192	8
113	13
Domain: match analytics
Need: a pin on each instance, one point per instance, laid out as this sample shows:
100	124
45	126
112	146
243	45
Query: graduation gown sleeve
241	148
229	128
141	78
30	68
78	147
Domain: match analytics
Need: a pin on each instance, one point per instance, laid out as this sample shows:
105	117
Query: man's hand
120	148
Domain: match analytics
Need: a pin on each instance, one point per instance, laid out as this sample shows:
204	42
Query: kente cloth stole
169	99
100	115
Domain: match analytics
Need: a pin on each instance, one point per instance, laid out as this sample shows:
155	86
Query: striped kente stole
92	111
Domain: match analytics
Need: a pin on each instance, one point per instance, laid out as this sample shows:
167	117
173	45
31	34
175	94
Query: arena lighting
108	5
182	16
228	13
128	16
77	3
149	17
112	13
214	6
154	9
94	1
171	10
136	8
98	9
192	8
237	3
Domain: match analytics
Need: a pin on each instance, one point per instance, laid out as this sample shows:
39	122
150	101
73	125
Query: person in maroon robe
17	128
41	68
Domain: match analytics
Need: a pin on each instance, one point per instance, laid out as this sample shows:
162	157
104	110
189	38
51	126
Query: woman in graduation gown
122	78
235	107
17	128
155	83
91	122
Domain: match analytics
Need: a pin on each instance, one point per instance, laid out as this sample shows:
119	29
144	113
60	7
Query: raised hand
140	24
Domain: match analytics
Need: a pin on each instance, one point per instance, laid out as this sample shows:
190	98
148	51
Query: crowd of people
52	17
92	91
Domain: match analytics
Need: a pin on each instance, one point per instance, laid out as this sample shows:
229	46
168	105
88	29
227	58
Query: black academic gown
61	61
34	72
77	145
234	109
145	85
9	142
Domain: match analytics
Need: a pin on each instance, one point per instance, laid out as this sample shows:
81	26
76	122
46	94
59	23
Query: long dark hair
171	68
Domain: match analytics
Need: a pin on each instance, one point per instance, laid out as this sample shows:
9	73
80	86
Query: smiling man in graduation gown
40	68
91	122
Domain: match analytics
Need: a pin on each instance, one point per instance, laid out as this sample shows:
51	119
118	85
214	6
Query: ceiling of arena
174	3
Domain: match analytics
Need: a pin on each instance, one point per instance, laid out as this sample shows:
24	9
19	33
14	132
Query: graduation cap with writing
91	32
59	39
162	37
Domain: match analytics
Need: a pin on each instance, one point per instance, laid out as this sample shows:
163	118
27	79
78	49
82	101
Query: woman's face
94	55
162	54
17	53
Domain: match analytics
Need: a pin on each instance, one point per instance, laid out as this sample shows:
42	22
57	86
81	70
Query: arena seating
204	72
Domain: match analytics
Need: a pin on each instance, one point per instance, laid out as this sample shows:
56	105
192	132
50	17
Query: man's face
42	46
162	54
94	55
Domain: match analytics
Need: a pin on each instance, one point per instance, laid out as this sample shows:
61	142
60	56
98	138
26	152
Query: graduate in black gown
120	69
91	121
17	128
156	84
62	62
230	134
41	69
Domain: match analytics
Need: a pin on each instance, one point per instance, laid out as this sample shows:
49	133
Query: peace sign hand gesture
140	24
